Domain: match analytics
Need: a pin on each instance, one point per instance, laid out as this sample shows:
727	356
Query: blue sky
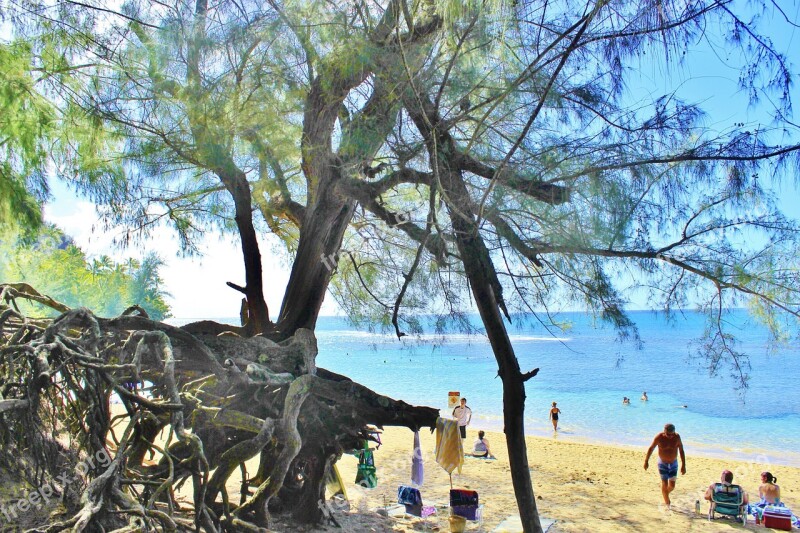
197	285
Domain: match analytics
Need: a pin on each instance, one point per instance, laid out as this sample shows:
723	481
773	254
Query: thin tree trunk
219	159
486	290
513	383
482	278
258	313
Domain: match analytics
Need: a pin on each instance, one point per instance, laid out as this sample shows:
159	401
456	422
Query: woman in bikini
769	492
554	412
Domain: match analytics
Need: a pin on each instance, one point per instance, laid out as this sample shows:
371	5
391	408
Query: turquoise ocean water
588	371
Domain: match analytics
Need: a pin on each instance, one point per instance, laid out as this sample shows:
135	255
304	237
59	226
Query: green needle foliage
585	193
26	129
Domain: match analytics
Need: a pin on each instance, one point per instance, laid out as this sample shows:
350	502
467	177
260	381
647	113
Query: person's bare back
769	491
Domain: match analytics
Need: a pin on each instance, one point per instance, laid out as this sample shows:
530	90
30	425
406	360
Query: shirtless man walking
669	445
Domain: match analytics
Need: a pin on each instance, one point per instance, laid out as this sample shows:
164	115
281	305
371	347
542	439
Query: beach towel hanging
449	450
417	468
365	472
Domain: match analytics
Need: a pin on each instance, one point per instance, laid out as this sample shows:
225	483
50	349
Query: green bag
365	473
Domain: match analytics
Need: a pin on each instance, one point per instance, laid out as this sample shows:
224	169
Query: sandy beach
584	487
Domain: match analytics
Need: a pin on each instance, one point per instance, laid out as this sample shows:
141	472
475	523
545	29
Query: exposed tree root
221	400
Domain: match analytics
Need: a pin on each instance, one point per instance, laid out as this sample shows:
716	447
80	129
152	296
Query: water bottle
697	507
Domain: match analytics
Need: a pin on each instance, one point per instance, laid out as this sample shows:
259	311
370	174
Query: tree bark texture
469	247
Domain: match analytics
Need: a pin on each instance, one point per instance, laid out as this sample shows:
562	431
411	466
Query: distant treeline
50	261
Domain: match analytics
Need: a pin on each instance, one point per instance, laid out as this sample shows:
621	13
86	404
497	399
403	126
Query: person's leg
669	475
665	490
463	430
673	475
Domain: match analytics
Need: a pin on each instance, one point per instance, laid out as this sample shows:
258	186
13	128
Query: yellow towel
449	451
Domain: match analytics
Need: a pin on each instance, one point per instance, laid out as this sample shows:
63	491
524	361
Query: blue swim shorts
668	470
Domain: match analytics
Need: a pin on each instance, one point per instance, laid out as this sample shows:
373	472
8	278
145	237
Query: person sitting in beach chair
727	499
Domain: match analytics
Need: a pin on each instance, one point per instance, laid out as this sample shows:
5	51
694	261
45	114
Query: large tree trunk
328	212
317	255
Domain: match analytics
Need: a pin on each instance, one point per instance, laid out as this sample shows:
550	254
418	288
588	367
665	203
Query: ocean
588	371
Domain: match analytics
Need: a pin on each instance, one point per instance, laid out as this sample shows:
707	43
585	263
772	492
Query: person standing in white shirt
463	414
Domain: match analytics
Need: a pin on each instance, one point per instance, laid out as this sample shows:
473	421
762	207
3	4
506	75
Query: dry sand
584	487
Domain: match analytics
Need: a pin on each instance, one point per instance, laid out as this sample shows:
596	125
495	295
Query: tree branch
528	375
435	245
544	191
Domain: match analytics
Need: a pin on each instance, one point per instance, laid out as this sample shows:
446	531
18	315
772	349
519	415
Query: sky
197	284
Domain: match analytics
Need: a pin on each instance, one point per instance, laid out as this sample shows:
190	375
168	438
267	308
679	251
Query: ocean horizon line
475	313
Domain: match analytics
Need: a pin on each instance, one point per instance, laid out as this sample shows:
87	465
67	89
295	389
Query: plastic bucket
458	524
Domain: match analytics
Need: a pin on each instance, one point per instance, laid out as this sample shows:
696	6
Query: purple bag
417	469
